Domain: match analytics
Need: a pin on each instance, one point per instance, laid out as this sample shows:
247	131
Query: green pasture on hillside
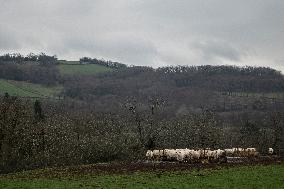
250	177
276	95
82	69
69	62
25	89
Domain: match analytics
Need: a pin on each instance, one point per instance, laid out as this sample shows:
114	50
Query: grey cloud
127	49
155	32
213	49
8	41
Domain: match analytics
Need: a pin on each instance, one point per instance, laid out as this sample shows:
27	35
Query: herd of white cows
201	155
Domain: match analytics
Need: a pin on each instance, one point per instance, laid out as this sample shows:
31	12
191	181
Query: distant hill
107	82
21	66
185	89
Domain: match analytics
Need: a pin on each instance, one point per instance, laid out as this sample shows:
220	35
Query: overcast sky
148	32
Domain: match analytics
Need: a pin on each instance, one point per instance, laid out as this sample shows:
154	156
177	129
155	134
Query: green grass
266	95
277	95
25	89
88	69
69	62
271	176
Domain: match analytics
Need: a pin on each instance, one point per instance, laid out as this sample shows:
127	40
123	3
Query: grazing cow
181	155
190	155
158	154
196	154
229	152
210	154
219	154
201	155
186	154
252	152
170	154
204	153
149	154
270	151
239	152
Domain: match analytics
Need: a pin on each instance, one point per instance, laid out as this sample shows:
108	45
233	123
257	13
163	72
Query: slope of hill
30	79
74	68
25	89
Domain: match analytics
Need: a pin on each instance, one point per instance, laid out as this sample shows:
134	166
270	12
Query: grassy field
269	176
69	62
276	95
25	89
88	69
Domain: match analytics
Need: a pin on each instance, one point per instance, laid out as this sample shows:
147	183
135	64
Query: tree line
18	58
183	86
107	63
46	75
34	68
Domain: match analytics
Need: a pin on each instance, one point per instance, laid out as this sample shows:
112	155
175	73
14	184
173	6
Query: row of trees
226	78
41	58
209	70
47	75
35	68
192	90
107	63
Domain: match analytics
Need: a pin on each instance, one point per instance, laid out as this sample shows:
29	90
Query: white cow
210	154
158	154
181	154
149	154
196	154
270	151
229	151
170	154
190	155
252	152
219	154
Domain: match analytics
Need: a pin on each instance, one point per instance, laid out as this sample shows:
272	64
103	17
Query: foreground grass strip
271	176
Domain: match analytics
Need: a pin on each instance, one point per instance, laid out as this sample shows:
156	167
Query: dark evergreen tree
38	110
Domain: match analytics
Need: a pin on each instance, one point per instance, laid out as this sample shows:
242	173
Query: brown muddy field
139	166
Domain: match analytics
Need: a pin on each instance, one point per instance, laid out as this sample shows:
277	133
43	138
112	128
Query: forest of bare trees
117	116
39	134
